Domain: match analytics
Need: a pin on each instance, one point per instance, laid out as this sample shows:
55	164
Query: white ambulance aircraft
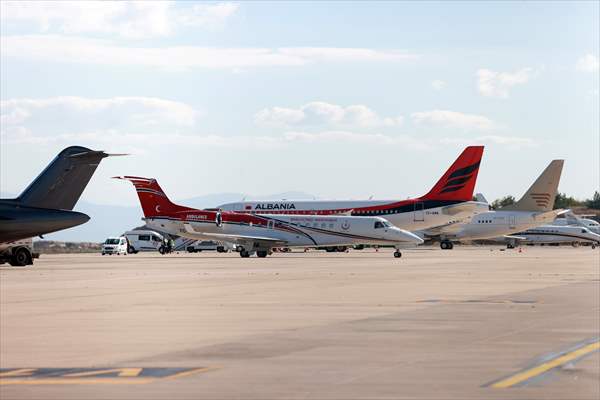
448	202
260	234
532	210
553	234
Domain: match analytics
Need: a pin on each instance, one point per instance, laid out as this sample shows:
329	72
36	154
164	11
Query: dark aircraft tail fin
61	183
459	180
153	199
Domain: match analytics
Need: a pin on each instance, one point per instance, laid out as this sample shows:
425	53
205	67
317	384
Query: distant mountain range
107	220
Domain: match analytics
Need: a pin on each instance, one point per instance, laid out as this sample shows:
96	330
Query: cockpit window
382	224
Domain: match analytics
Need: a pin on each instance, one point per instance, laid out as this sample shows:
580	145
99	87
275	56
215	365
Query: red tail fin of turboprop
154	201
458	182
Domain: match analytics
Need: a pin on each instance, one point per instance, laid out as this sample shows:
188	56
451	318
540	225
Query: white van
143	240
115	245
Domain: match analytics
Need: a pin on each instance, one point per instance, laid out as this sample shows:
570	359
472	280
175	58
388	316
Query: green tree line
561	201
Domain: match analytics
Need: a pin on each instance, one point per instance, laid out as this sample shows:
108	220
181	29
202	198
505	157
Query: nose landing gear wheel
261	253
397	254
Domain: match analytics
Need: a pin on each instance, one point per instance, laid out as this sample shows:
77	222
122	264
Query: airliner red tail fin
154	201
459	180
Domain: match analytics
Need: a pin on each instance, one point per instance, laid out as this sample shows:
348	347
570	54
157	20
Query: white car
115	245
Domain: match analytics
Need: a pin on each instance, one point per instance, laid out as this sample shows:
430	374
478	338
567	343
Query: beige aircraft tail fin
540	196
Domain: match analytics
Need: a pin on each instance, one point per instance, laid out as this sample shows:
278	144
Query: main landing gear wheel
397	254
262	253
244	254
446	245
20	258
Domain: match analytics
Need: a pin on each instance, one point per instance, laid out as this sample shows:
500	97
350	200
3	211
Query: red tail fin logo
459	180
153	199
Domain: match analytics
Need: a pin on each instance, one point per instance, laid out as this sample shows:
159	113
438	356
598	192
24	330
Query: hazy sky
341	100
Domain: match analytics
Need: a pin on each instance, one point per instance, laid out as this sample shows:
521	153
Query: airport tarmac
470	323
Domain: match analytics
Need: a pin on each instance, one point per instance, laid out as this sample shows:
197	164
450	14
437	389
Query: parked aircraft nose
402	235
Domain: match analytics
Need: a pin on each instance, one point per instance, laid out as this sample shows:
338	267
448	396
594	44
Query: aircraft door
512	222
419	214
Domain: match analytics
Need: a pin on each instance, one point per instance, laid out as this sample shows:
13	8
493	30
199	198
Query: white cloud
453	119
142	142
130	20
345	137
588	63
52	48
60	115
498	84
323	113
438	84
211	16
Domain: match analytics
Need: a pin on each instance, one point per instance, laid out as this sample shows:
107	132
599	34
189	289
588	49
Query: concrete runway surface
470	323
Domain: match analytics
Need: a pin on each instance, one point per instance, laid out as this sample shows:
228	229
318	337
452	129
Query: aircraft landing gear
397	254
510	246
244	254
446	245
262	253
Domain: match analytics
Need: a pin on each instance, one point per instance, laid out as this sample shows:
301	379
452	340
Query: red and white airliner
448	202
259	234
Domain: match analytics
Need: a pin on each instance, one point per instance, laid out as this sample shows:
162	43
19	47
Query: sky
342	100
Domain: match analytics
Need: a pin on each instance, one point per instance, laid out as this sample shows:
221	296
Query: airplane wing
447	229
241	239
459	208
514	237
549	216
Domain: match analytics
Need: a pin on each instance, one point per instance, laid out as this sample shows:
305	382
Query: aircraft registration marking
92	376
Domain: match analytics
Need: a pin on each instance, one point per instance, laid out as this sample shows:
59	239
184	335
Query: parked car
115	245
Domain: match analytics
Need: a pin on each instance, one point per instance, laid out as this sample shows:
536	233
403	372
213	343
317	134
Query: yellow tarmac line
545	367
126	376
17	372
190	372
72	381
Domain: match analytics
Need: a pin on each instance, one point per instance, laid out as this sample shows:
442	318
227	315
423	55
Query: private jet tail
540	196
60	185
459	180
154	201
